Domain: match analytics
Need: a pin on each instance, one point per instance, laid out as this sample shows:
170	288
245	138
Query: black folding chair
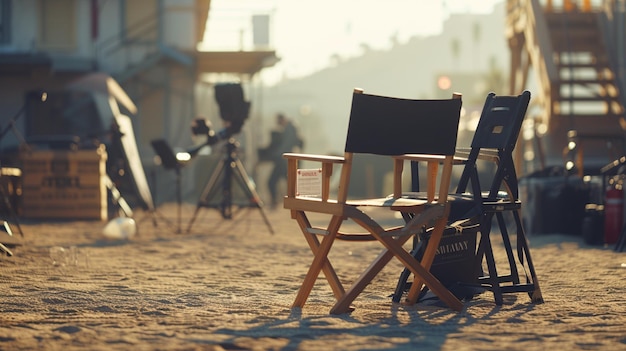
494	142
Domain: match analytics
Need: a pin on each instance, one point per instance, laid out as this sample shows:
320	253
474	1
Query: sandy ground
229	285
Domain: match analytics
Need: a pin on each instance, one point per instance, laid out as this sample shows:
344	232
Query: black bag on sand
455	263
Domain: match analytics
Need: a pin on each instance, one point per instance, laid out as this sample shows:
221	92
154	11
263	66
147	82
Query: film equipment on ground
81	118
233	111
132	161
42	96
112	126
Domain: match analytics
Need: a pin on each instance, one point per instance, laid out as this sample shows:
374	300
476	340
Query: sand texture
229	285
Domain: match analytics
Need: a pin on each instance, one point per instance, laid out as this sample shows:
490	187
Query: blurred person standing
285	138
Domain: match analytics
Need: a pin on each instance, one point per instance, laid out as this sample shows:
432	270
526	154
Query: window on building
57	23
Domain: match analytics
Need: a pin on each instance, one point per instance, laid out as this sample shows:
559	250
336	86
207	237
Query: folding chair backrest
392	126
501	121
498	129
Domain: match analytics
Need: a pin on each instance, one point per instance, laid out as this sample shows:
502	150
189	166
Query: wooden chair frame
439	132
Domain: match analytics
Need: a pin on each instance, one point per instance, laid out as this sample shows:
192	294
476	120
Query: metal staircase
585	93
138	49
579	97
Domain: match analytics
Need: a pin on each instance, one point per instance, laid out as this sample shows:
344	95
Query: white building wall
23	27
84	43
180	24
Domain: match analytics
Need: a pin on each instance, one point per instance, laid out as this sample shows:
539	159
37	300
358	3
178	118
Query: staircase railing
137	48
527	17
130	46
613	20
528	30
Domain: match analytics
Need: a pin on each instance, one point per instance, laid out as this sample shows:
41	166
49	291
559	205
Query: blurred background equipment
82	136
120	228
233	111
11	177
169	161
108	97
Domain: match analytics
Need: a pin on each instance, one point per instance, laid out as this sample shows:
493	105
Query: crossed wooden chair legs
393	247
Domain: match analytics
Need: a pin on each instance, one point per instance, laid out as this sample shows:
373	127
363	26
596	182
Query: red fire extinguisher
613	212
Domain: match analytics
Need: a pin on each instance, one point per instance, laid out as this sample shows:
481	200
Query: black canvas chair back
403	130
384	125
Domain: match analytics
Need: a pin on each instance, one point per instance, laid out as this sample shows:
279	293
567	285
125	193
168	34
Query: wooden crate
64	184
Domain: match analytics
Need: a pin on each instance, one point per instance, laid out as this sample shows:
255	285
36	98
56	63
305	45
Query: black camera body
200	127
234	110
233	107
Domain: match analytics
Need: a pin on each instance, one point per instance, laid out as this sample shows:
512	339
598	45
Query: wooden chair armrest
327	162
484	154
428	158
312	157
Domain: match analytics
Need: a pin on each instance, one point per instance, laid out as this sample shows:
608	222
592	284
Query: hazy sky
306	34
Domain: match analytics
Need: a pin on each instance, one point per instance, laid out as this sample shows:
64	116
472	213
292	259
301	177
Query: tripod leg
117	198
231	166
227	190
7	228
5	250
179	199
247	185
206	192
9	206
193	219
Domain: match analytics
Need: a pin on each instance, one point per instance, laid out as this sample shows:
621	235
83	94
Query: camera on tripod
233	111
229	171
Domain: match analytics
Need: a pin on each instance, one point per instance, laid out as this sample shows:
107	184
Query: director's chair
404	130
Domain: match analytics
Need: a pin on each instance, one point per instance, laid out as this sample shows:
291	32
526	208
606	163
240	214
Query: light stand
169	161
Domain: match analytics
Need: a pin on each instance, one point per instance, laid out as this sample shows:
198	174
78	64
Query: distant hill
319	103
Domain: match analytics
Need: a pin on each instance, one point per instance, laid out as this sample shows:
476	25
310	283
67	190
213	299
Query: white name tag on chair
309	182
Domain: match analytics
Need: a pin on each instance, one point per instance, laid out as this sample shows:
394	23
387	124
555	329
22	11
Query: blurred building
150	47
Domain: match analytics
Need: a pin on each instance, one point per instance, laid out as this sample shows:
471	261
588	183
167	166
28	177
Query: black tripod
42	97
229	168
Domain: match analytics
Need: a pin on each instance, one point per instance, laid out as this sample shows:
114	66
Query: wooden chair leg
427	260
319	261
314	243
421	270
343	304
422	275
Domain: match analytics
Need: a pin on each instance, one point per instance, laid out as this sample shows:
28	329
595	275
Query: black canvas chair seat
462	206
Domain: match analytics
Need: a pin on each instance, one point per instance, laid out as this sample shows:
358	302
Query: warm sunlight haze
307	35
